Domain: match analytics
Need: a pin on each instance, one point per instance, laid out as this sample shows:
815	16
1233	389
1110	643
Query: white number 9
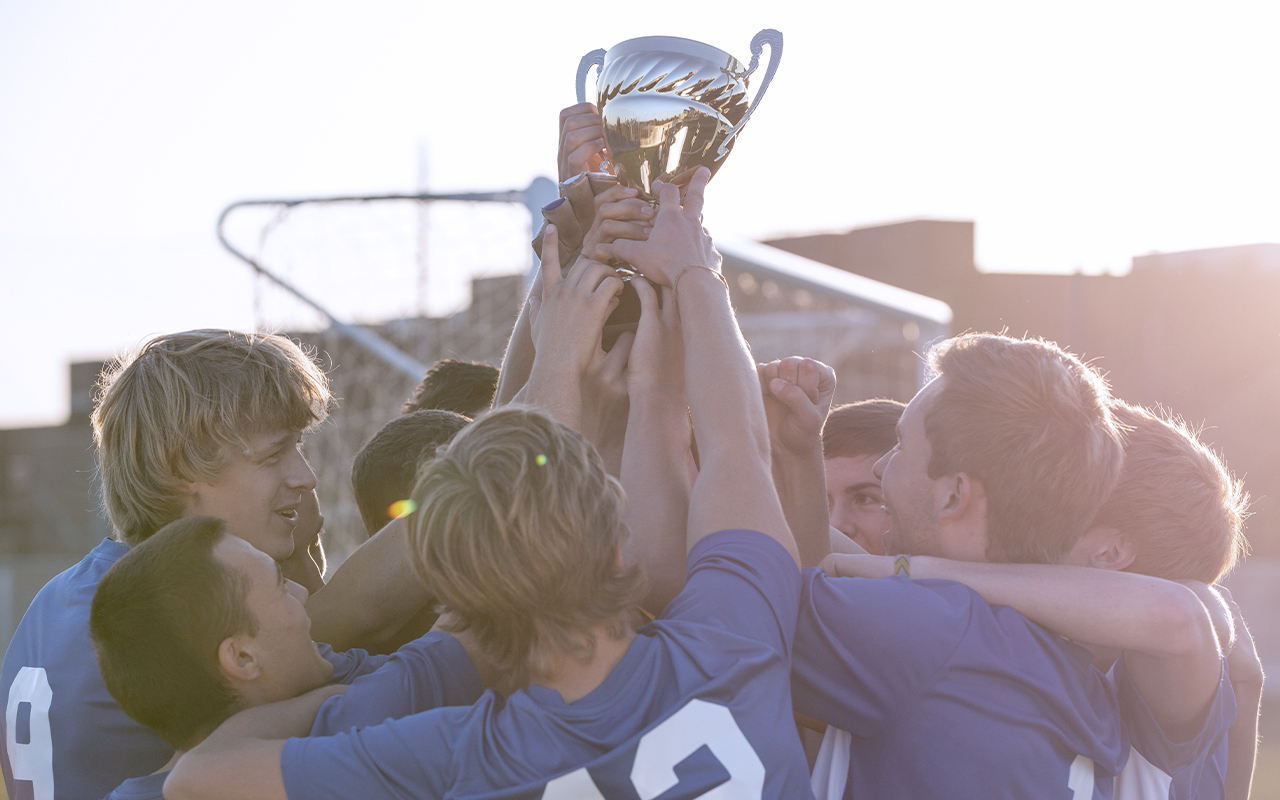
31	760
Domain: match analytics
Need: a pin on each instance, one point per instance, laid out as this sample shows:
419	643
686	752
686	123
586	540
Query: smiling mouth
290	514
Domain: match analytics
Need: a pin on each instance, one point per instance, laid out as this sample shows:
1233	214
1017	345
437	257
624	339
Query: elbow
1185	623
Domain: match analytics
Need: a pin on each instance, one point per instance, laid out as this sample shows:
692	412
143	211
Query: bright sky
1076	135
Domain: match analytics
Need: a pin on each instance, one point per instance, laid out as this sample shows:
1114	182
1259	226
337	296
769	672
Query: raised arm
734	488
657	448
567	322
371	596
797	396
1170	647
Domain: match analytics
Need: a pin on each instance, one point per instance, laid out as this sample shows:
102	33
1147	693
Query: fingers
625	209
550	267
576	110
618	250
581	139
614	363
668	198
614	194
694	196
808	374
648	300
790	395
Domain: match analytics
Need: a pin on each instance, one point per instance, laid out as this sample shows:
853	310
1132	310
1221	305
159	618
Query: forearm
657	485
517	363
802	488
371	595
241	758
1093	606
555	387
735	484
1242	741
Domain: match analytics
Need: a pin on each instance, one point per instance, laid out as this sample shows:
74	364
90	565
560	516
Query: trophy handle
596	59
767	36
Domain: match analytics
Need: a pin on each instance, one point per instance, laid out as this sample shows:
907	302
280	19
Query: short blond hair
175	410
518	533
1032	423
1176	500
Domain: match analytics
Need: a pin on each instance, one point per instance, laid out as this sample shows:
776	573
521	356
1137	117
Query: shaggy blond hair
176	410
518	533
1176	500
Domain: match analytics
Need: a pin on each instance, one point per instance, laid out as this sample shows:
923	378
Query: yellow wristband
902	566
675	284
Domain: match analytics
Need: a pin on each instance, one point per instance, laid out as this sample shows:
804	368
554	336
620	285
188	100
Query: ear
964	499
239	659
1104	547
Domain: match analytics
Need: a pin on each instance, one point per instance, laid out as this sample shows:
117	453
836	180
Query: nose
877	469
301	476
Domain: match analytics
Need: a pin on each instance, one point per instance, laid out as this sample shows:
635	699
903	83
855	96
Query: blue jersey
943	695
699	702
150	787
1159	769
428	673
64	735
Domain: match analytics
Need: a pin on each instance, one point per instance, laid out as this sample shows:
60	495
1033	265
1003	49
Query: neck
574	677
173	762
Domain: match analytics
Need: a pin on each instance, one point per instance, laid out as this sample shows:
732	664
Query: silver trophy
672	105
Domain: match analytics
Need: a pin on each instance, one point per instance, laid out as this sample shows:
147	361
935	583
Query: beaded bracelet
675	284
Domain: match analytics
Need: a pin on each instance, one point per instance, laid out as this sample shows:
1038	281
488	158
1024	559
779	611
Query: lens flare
402	508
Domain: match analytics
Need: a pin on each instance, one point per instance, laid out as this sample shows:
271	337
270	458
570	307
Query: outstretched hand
581	140
797	397
677	240
568	318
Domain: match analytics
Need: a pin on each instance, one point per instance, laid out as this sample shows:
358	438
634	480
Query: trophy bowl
672	105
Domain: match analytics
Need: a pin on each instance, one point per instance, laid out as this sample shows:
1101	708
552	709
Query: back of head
464	387
1176	501
1033	425
175	410
865	428
158	617
386	468
518	532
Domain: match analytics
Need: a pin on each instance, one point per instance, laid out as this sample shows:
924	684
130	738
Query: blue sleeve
1148	738
743	582
866	649
401	759
350	664
431	672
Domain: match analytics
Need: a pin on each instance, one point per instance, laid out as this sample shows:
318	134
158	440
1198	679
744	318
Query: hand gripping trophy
668	106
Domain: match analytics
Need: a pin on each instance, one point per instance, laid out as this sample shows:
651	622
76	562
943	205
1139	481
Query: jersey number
699	724
32	759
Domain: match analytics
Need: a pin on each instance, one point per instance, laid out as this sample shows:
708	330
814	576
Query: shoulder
747	553
738	579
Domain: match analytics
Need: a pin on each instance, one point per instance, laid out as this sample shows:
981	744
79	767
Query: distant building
1197	332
